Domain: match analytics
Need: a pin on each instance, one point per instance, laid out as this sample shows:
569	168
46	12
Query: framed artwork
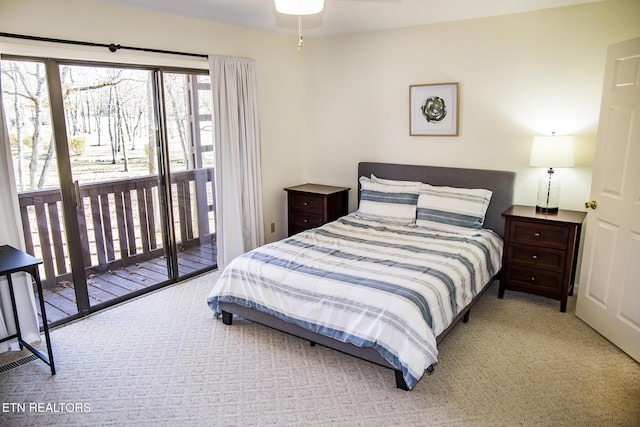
433	109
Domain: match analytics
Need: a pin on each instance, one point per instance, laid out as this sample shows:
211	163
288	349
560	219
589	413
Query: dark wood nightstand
312	205
540	252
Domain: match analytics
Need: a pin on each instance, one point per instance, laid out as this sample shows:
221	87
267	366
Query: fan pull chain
300	41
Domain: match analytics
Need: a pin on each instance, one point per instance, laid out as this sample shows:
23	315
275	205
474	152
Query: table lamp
551	152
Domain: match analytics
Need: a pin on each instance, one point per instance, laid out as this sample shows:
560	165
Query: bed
387	282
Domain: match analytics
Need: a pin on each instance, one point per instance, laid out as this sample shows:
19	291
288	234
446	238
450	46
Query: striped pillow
452	209
394	204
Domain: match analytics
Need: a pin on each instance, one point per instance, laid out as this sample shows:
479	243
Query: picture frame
434	109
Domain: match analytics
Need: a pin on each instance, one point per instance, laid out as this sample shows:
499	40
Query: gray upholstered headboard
500	182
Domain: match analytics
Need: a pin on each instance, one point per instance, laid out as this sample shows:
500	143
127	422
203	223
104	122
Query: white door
609	289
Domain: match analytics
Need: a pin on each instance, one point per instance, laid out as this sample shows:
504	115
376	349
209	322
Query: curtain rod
112	47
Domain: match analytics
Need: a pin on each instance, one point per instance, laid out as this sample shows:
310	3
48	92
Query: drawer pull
533	279
536	234
535	257
306	203
306	220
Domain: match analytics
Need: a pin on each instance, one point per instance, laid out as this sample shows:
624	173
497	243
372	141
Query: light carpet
163	360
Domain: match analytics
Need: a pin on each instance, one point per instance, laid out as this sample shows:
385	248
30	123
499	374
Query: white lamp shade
299	7
552	152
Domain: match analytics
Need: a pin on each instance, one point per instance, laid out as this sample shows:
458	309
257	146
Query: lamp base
546	210
548	193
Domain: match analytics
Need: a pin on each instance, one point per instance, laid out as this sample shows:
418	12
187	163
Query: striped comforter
394	288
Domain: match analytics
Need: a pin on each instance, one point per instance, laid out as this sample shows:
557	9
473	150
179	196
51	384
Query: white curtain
12	234
237	151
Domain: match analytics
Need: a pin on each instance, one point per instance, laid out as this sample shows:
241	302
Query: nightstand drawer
305	219
529	279
306	202
537	234
535	256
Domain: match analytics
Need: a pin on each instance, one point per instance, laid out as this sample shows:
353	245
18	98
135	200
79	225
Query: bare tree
47	163
151	144
178	112
12	74
113	137
119	120
97	114
32	79
81	87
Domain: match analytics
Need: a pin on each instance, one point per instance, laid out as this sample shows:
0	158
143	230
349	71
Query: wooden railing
120	221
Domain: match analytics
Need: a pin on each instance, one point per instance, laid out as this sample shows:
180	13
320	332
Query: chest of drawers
540	252
312	205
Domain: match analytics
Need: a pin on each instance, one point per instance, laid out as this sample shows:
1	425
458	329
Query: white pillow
452	209
394	182
395	204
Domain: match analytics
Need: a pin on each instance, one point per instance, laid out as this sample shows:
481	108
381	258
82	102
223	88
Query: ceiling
343	16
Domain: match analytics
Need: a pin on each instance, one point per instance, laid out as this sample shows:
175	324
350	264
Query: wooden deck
118	222
60	300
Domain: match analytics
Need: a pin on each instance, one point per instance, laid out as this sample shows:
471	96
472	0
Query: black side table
14	261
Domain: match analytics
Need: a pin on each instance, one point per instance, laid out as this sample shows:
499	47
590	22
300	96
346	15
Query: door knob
592	204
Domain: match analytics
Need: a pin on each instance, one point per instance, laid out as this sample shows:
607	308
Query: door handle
591	204
79	203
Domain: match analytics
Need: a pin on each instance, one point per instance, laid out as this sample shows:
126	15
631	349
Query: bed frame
500	182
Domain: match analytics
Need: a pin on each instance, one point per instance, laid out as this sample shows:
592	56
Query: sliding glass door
190	151
33	147
111	118
115	178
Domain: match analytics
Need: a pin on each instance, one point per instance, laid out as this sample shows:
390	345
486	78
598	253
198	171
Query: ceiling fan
310	7
302	8
299	7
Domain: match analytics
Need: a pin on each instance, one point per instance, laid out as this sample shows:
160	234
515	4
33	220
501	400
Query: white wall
345	99
520	75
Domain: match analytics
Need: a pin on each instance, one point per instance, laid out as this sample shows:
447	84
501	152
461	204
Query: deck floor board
60	301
